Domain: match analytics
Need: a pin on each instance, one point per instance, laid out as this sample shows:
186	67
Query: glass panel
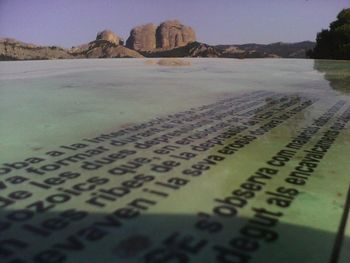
217	161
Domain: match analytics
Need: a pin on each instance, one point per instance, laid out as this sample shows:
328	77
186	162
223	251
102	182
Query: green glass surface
226	199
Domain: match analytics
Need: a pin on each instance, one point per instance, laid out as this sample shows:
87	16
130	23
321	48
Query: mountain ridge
169	39
11	49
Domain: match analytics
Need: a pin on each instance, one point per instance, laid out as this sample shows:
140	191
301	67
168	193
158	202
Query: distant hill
274	50
193	49
279	49
12	49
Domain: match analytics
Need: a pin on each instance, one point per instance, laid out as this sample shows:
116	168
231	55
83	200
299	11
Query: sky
69	23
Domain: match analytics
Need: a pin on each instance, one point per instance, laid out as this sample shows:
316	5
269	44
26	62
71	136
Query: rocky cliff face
168	35
172	34
142	37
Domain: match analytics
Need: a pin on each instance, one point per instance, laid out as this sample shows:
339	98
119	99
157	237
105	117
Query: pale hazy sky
73	22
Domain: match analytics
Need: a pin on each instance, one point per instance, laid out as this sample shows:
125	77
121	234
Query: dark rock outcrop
142	37
172	34
108	35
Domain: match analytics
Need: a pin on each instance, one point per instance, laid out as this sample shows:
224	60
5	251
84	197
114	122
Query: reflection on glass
336	72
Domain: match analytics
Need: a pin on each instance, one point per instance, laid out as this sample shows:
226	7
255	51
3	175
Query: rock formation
108	35
172	34
142	37
103	49
168	35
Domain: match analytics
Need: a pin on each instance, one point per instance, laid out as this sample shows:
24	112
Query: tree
334	43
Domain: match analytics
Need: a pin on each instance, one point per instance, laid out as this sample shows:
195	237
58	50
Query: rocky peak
108	35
